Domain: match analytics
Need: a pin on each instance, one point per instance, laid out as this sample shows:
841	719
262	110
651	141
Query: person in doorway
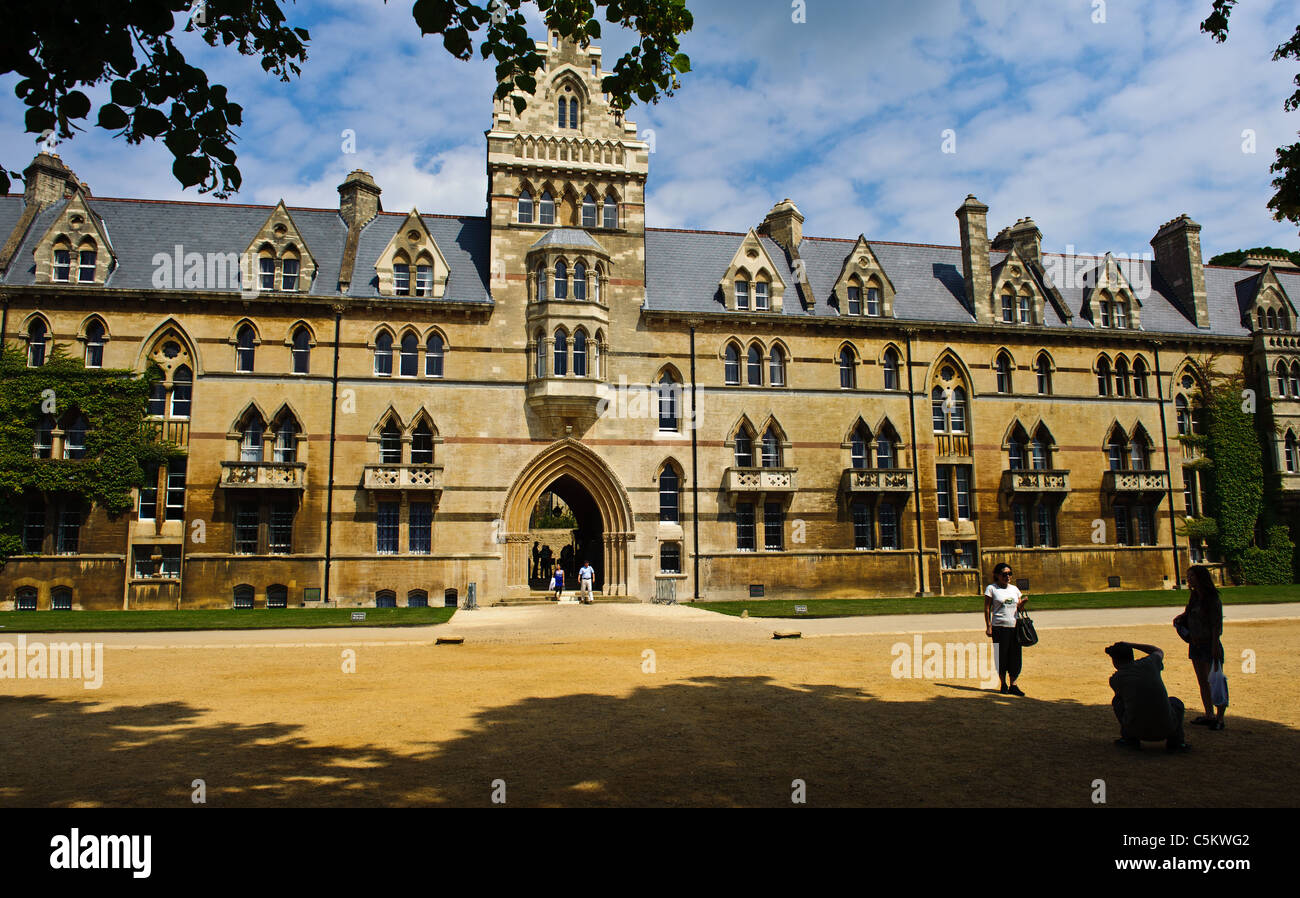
1146	712
587	579
546	562
557	583
1202	621
1001	601
536	573
566	560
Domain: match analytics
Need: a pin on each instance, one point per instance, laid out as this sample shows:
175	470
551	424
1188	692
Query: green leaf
150	122
124	93
190	170
682	62
114	118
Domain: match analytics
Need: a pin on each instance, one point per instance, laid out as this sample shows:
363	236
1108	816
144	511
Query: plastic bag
1218	686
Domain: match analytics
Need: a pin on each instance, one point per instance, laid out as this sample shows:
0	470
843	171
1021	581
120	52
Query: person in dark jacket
1201	624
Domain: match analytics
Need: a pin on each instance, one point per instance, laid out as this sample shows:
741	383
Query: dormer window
742	294
1121	314
1025	315
401	279
1105	314
62	264
588	211
289	273
546	214
86	272
1008	307
855	300
423	280
873	301
760	296
266	270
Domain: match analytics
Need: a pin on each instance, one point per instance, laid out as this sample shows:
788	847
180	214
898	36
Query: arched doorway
579	540
598	501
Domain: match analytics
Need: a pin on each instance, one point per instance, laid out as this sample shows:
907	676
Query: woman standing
1202	620
1001	601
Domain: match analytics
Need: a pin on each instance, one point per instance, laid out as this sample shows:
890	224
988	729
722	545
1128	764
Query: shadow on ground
717	741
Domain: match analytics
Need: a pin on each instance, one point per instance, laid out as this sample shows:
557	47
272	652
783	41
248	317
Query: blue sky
1099	130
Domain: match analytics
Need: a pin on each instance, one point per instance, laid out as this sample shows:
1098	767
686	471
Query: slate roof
683	268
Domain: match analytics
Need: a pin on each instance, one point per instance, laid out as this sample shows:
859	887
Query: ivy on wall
120	441
1235	490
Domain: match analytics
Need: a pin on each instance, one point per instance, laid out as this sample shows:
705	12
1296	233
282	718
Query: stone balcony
264	475
403	477
1037	480
878	480
752	481
566	401
1135	481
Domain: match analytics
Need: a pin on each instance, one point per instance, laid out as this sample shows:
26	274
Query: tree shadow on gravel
712	741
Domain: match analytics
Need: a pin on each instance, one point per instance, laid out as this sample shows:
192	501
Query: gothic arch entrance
587	485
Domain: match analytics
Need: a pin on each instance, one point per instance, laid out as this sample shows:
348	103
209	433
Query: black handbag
1025	632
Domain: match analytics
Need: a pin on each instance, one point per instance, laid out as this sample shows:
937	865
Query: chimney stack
1177	248
1025	237
359	199
48	181
784	224
972	217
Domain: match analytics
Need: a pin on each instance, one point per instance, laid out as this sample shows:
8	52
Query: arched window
731	365
541	283
742	293
562	112
250	446
1281	378
1016	449
891	369
243	596
1103	376
573	113
744	448
1272	320
561	366
1008	306
36	337
74	437
424	276
386	598
1259	318
1182	415
886	453
433	356
390	444
610	212
182	392
1121	376
669	495
855	297
1121	313
266	270
771	448
417	598
245	349
760	296
595	284
422	445
1295	380
957	417
938	414
859	441
579	281
1283	320
384	354
754	367
61	599
1137	454
669	403
1003	366
409	356
1139	378
546	210
561	280
1026	313
1040	448
277	596
593	350
301	351
286	440
86	266
62	262
588	210
1292	456
289	271
580	353
541	355
1115	451
848	369
1044	372
94	345
776	367
525	207
1105	312
158	400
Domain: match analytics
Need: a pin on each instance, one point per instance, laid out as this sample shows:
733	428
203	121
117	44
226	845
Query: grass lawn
1236	595
219	619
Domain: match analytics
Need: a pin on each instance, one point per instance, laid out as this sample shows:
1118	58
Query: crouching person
1146	712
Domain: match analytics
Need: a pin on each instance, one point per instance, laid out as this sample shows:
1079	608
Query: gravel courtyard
638	705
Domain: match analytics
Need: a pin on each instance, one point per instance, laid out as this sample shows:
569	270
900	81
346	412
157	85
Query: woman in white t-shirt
1001	601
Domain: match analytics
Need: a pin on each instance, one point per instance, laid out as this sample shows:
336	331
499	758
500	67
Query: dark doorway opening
584	542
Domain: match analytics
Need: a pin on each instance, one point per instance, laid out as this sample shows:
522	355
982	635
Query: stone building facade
371	403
